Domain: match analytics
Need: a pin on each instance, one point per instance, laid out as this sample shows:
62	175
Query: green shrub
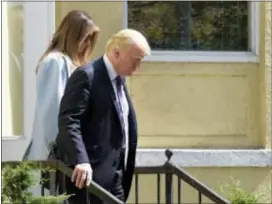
239	196
17	179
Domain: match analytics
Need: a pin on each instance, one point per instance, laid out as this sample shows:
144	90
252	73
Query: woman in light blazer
71	47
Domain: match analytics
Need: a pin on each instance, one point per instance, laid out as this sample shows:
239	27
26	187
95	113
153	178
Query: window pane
12	80
192	25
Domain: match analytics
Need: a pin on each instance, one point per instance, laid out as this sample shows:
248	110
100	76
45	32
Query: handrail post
168	179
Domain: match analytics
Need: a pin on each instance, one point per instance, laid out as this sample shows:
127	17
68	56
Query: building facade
204	93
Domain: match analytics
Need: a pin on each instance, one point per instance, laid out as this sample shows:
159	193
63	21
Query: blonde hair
76	31
127	37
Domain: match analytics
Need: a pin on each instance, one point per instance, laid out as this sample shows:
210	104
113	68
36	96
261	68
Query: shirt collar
111	71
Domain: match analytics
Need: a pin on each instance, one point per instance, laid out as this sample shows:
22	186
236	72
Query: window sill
13	137
207	157
201	56
182	157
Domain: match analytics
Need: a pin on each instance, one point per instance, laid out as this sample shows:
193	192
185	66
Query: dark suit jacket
89	126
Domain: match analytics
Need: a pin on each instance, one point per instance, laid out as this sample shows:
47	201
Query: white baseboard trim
206	157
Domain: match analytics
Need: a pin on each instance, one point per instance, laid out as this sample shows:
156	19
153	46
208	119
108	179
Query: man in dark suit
97	122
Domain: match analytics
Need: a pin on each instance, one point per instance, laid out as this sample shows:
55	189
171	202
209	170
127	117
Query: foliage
17	179
192	25
239	196
48	199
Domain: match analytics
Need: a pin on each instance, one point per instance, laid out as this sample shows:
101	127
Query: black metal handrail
94	188
169	170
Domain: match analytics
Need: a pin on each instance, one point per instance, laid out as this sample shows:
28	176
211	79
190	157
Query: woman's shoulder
56	60
53	57
52	62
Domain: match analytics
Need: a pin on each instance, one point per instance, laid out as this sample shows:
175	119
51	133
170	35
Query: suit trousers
82	196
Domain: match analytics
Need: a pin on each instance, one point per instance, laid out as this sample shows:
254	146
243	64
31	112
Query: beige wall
193	105
107	15
265	74
253	180
12	69
196	105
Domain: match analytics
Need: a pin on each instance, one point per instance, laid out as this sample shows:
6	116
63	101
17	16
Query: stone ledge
206	158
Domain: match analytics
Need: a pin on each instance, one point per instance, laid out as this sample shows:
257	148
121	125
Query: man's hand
82	175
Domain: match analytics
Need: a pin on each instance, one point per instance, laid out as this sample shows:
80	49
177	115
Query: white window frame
251	56
39	25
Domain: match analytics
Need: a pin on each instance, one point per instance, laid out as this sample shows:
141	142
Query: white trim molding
251	56
202	56
38	27
41	29
206	157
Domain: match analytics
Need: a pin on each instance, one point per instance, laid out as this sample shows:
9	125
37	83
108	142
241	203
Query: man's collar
111	71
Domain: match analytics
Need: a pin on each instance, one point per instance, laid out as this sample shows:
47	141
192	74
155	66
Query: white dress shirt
123	100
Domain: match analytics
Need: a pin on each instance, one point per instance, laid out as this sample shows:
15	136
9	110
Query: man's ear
116	52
